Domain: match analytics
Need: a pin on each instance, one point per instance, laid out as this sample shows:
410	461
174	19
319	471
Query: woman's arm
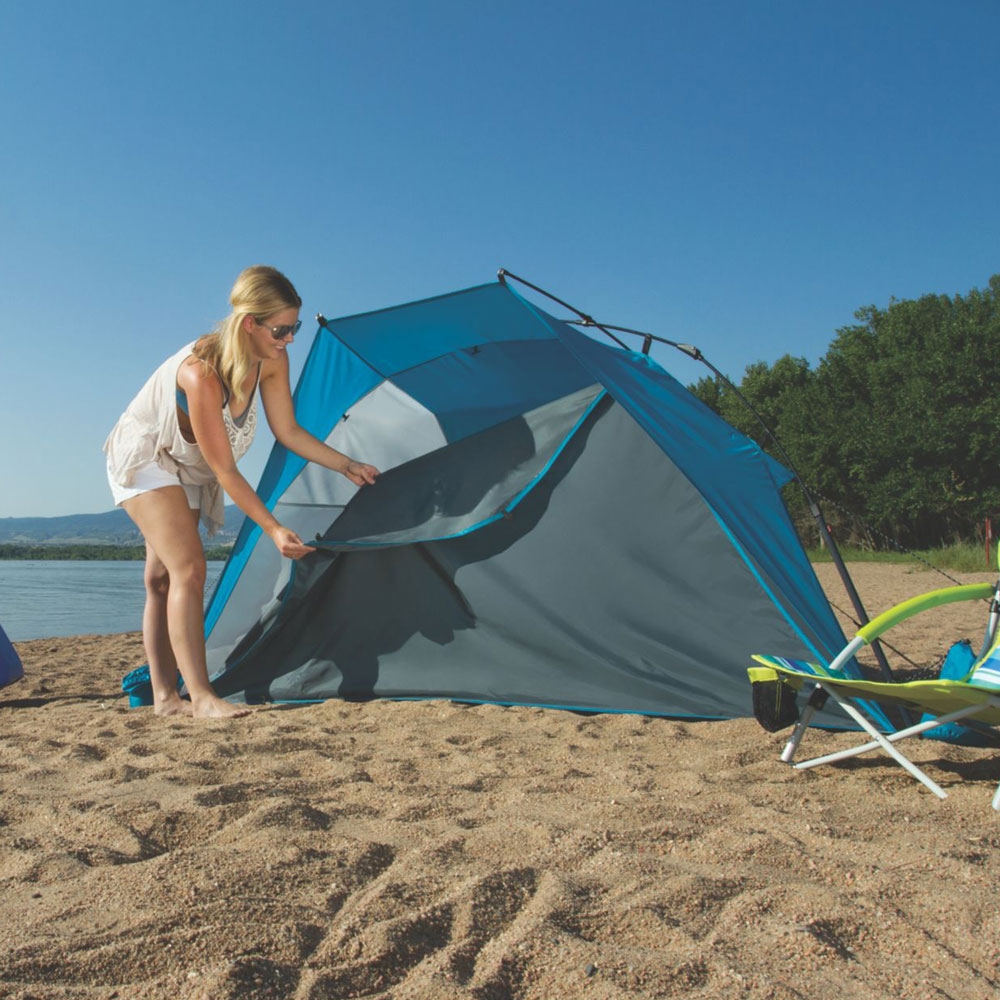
276	393
204	395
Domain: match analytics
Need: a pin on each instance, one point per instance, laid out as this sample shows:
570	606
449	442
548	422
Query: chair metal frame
847	691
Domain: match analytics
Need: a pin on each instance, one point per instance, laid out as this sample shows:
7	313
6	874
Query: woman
174	451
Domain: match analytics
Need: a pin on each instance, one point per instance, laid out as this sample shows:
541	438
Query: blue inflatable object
138	687
10	663
956	667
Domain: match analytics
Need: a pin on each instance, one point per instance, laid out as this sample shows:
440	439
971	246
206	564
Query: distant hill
114	527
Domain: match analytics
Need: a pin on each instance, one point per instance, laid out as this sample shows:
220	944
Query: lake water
46	598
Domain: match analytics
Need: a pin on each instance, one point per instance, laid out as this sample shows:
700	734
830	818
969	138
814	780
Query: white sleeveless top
148	431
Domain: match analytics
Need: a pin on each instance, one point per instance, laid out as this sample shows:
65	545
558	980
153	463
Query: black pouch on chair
774	704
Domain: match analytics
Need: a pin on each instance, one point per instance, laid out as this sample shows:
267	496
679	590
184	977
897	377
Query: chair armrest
933	599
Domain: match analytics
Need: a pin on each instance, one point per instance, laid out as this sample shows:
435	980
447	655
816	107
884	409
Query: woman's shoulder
194	374
270	367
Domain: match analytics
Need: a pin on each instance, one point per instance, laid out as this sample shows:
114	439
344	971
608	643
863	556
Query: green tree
897	423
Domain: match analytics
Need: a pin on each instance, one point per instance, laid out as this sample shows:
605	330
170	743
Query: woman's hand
289	544
360	474
276	393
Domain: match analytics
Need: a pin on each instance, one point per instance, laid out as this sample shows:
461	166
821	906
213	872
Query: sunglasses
280	332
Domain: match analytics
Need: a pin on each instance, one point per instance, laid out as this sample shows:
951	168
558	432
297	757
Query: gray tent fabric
520	611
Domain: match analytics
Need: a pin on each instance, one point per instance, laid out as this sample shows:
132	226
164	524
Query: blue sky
738	175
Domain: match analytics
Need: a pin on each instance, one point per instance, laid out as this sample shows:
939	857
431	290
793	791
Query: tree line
103	553
896	431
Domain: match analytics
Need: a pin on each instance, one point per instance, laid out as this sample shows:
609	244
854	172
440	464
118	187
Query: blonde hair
259	291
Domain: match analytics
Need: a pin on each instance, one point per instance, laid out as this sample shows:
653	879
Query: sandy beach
430	850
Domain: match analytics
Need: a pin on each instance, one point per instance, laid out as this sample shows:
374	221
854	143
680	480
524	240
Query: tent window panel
457	488
385	428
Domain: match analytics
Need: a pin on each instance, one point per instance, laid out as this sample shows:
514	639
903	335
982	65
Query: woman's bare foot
175	705
213	707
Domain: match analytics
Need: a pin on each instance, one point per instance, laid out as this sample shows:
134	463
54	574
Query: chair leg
881	741
797	733
901	734
816	701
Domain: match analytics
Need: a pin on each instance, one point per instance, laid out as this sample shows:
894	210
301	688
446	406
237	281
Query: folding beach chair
974	699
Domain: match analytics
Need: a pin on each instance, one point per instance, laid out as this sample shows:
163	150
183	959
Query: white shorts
152	477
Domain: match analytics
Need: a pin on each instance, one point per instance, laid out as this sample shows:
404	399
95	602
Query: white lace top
241	431
148	431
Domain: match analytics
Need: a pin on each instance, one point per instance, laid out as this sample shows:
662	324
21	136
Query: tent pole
503	275
695	354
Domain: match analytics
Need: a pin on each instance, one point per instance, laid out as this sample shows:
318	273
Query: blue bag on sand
138	687
956	665
10	663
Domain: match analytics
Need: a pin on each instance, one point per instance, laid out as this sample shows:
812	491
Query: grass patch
963	558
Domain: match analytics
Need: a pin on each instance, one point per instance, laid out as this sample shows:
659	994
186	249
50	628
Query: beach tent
558	522
10	663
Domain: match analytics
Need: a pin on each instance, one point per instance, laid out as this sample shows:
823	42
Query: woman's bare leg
173	620
156	639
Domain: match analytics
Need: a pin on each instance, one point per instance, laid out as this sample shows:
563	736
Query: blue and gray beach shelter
558	522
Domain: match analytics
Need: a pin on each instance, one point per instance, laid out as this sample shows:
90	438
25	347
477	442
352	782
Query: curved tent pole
695	354
503	275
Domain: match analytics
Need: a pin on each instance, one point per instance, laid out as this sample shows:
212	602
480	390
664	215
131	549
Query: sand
431	850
